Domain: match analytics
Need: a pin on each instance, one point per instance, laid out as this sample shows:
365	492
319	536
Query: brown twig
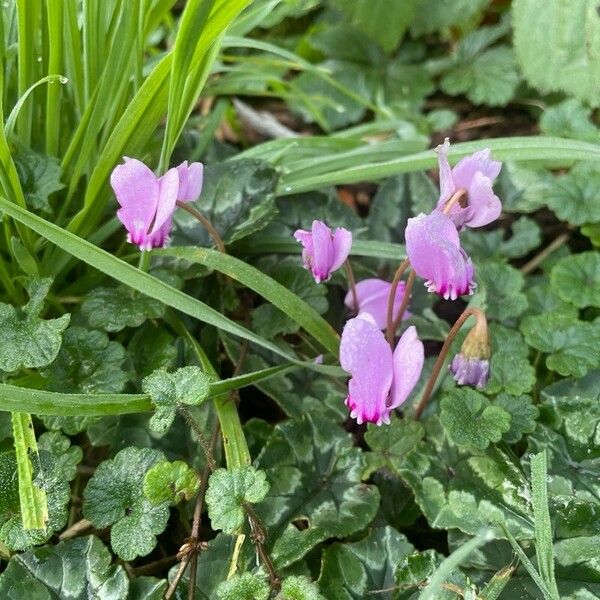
351	284
188	553
543	254
258	538
75	529
214	234
390	330
439	363
406	299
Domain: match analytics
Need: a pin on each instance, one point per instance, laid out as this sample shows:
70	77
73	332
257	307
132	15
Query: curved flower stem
214	234
458	195
351	284
439	363
406	298
390	329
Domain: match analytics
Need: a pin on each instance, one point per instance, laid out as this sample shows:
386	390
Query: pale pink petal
137	190
433	247
190	181
323	251
447	187
478	162
366	355
373	298
169	186
305	238
342	242
408	359
484	205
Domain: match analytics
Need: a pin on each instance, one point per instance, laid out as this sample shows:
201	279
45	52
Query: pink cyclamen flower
147	202
324	251
475	175
381	380
373	299
433	247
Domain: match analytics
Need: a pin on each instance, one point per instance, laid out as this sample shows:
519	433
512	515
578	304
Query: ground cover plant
300	299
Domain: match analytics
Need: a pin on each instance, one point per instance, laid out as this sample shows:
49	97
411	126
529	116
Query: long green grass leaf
515	148
41	402
268	288
542	524
134	278
34	506
432	591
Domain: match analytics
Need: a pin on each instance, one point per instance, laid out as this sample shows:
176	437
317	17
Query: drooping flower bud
471	366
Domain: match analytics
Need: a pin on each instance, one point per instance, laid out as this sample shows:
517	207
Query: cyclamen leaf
471	420
189	385
26	340
151	348
237	197
392	443
228	491
315	473
40	574
171	482
357	570
572	345
114	497
576	279
503	285
113	309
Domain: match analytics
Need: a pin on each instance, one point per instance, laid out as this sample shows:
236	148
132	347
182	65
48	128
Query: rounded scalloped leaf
471	420
576	279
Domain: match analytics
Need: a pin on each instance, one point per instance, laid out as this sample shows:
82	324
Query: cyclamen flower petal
380	380
324	251
475	174
147	202
470	371
373	299
190	181
433	247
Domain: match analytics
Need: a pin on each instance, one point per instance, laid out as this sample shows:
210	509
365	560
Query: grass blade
515	148
268	288
432	591
34	506
41	402
542	524
134	278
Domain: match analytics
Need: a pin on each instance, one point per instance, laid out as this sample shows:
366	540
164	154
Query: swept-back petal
323	251
408	359
305	238
366	355
484	205
447	187
137	191
373	298
433	247
169	186
342	242
190	181
478	162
